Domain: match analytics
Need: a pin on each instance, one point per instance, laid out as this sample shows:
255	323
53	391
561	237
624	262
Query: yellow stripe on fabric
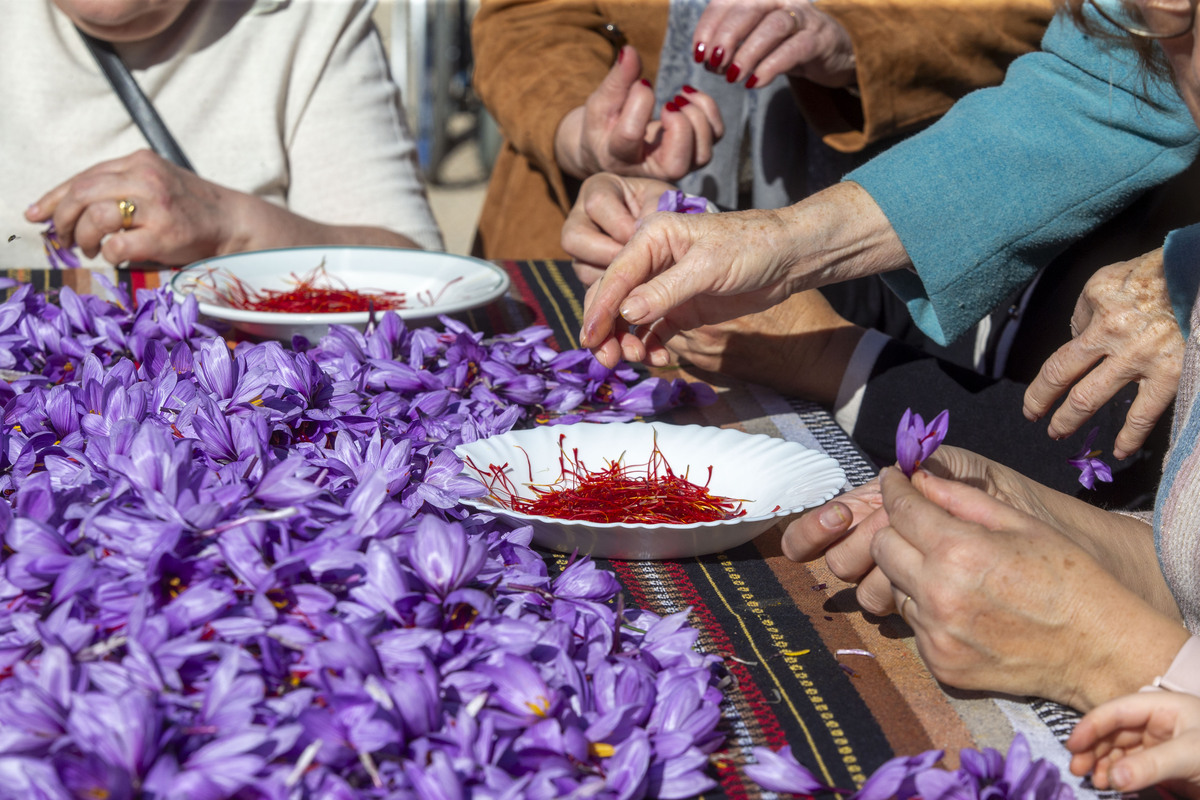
571	343
762	660
572	300
834	728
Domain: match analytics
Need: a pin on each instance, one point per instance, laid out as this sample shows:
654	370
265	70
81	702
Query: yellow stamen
601	749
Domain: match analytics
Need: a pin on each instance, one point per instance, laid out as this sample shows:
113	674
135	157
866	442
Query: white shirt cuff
854	379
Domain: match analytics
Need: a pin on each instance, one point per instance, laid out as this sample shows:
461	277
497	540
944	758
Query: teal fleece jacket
1012	175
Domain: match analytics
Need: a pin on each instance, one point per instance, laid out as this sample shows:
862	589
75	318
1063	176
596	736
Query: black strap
136	102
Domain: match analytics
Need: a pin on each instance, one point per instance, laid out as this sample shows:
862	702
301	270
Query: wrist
568	145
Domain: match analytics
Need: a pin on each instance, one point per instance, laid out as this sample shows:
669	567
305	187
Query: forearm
1123	544
838	234
256	224
1010	176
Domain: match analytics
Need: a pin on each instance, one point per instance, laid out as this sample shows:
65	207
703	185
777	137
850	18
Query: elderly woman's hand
681	271
1001	601
605	216
177	217
615	129
800	347
762	39
842	530
1124	331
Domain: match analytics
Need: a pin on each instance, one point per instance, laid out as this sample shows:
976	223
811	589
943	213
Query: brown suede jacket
536	60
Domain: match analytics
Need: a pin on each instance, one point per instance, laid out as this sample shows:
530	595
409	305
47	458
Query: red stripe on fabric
524	292
729	775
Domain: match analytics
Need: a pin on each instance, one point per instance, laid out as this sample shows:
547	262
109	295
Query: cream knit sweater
290	101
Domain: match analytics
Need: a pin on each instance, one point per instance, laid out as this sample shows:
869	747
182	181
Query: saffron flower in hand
1091	468
675	200
916	441
60	256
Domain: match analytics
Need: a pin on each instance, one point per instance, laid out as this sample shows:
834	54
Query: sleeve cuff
854	379
1184	672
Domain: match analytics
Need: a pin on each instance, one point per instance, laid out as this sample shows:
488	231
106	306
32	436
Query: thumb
610	95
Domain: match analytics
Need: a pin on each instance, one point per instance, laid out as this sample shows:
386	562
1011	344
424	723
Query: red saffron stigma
315	292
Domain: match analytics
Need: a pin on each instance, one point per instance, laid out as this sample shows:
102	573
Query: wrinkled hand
681	271
800	347
1126	331
842	530
605	217
1003	602
1140	740
762	39
615	129
179	217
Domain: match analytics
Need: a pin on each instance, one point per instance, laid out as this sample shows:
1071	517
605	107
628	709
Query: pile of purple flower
247	573
982	775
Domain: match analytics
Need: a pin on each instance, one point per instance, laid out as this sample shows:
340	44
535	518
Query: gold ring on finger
126	207
903	603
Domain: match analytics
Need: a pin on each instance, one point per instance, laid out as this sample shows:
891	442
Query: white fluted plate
773	477
433	283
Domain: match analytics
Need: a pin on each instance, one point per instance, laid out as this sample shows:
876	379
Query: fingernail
731	74
689	89
717	56
1120	776
33	209
699	52
634	310
659	359
620	55
681	101
834	516
752	81
670	106
647	83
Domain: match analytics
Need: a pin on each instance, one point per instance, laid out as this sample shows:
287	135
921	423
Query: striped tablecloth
779	625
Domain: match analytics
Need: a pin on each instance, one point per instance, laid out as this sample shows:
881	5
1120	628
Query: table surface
779	625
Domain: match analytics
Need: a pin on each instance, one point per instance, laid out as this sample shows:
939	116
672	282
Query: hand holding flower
1002	601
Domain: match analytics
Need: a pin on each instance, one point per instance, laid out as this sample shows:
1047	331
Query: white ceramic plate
773	477
433	283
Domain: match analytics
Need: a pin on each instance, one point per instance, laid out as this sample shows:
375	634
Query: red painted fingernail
681	101
620	55
689	89
752	81
731	74
699	52
670	106
646	82
717	56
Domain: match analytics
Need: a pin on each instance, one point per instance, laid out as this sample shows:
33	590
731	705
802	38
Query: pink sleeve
1184	672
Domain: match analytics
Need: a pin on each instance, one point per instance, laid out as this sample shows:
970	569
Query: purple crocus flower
1091	467
59	256
675	200
916	441
781	772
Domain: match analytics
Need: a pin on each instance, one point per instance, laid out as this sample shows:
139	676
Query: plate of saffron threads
646	490
276	294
